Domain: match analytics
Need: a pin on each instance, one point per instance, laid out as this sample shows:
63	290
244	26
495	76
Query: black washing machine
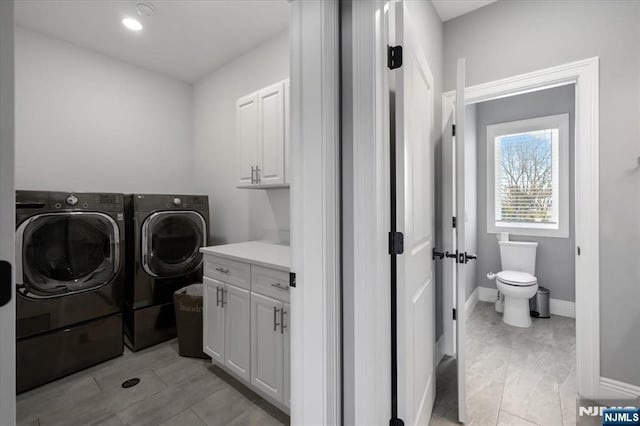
70	279
163	255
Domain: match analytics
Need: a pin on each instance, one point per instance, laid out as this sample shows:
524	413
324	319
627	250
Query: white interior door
7	220
461	260
415	208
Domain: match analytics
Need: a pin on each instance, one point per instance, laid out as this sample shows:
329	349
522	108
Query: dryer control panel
86	201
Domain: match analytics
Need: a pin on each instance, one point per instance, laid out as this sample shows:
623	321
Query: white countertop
261	253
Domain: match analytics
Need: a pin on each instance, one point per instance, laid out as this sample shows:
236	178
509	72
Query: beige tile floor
172	391
514	376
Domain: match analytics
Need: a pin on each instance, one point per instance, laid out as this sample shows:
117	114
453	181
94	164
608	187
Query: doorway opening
519	169
574	86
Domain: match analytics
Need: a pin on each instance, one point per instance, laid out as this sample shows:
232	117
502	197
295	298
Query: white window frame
561	150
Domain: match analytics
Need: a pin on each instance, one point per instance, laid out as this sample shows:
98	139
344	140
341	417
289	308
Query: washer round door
171	243
67	252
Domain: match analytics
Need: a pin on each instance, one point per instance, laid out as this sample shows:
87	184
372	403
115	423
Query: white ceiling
185	39
449	9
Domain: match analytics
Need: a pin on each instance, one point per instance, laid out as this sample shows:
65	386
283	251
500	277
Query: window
528	177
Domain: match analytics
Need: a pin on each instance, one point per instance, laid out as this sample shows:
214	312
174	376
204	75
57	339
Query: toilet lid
517	278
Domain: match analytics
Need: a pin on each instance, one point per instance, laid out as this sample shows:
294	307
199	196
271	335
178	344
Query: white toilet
517	281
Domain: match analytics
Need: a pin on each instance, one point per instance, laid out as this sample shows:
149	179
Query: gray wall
237	214
87	122
512	37
555	265
471	196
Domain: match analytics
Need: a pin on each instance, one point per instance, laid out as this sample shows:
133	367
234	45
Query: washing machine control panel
71	200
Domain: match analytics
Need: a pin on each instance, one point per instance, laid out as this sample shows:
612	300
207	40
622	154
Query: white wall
513	37
236	214
86	122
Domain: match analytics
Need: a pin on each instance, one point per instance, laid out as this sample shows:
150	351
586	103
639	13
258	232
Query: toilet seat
517	278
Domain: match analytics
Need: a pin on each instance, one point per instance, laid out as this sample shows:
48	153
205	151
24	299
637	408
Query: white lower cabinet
246	326
237	329
213	320
267	348
227	326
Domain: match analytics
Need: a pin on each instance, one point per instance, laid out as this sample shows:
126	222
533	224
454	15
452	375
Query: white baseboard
487	294
558	307
614	389
438	351
471	302
562	308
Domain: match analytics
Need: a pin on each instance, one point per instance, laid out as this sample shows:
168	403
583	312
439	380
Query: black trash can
188	306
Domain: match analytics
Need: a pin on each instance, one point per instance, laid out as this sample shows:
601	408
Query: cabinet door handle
217	296
258	175
282	325
252	175
275	318
223	270
223	291
280	286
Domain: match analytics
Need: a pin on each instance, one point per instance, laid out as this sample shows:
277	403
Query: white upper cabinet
261	136
271	125
247	139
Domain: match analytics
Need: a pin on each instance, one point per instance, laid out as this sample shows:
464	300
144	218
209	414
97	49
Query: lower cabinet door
267	346
213	320
237	313
286	398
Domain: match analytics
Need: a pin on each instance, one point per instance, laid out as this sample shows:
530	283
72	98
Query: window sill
531	232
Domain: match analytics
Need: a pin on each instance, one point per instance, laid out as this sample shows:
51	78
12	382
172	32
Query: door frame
585	75
366	214
315	212
7	214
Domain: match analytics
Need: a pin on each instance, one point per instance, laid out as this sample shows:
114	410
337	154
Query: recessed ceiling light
132	23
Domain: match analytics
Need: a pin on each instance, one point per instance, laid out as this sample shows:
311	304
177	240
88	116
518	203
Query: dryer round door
171	243
67	252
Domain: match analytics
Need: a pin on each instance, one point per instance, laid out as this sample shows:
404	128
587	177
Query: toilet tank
518	256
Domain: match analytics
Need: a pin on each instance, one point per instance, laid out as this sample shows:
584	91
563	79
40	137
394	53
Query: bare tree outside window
524	178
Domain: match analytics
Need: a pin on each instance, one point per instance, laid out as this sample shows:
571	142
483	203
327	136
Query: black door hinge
394	57
453	130
454	222
454	313
292	279
396	243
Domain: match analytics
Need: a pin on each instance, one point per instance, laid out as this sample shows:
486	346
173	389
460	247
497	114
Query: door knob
469	256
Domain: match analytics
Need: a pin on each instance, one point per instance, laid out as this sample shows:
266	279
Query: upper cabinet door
287	102
247	139
271	121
